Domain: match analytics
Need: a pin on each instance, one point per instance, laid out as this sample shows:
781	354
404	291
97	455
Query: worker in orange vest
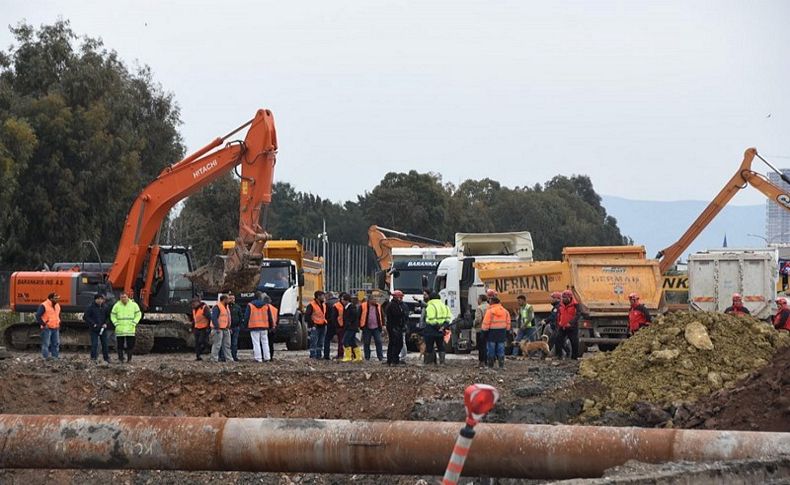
568	318
497	323
335	327
201	321
48	318
316	314
260	318
220	330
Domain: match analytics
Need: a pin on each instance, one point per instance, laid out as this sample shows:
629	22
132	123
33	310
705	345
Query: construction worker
201	321
351	350
48	319
525	323
316	320
261	317
568	317
96	316
737	307
437	318
371	321
497	323
638	316
125	316
480	313
236	320
220	330
335	327
782	318
397	323
331	323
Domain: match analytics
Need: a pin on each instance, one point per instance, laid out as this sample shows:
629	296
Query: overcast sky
653	100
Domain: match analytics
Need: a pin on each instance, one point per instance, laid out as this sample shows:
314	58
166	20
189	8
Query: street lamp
760	237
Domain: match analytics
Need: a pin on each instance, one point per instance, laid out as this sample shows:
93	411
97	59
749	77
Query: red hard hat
556	295
781	301
633	296
567	293
397	293
736	296
490	292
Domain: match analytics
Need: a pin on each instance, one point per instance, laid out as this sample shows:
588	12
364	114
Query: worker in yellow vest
437	318
48	318
220	331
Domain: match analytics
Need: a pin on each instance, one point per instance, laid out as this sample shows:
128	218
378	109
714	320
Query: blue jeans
523	334
50	342
376	334
105	348
317	337
495	349
234	342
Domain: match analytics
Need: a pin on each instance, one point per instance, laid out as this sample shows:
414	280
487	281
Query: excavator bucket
238	271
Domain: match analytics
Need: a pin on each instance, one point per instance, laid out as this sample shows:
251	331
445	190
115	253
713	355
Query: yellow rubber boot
357	354
346	355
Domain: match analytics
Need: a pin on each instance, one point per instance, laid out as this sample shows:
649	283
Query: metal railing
347	266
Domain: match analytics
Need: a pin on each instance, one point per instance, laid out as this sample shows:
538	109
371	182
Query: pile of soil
761	402
681	357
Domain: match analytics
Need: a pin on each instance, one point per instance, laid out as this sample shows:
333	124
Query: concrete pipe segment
339	446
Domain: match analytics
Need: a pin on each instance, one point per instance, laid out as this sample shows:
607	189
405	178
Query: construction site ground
293	386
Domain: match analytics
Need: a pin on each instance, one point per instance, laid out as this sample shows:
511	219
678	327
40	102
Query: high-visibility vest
497	318
363	315
319	313
224	316
51	316
201	321
259	317
339	307
437	313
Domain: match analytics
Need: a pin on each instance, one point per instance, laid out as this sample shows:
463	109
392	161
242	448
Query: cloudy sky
654	100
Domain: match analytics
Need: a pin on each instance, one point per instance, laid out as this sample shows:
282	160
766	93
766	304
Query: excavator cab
171	290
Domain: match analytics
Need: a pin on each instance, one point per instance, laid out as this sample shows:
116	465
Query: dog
418	341
542	345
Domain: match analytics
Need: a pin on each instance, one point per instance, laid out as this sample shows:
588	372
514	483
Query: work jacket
496	323
739	310
201	317
350	318
638	317
437	313
316	313
48	314
236	315
260	315
96	316
363	315
782	319
220	317
125	318
568	315
480	313
397	316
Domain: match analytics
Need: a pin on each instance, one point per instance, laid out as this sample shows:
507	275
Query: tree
80	136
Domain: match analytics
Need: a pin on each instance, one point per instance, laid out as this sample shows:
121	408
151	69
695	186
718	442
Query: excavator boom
256	155
382	244
743	177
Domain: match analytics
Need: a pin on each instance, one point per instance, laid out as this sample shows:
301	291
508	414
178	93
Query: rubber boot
490	362
441	357
357	354
346	355
501	362
430	358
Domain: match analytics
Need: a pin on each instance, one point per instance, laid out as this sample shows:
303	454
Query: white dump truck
716	274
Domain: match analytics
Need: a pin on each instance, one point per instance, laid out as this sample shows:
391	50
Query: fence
347	265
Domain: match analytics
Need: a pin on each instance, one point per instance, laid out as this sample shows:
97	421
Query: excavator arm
257	157
382	244
743	177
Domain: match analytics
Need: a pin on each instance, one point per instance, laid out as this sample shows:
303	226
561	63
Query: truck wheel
143	340
295	340
305	344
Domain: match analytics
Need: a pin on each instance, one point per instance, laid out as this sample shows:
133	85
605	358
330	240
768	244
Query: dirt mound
761	402
680	358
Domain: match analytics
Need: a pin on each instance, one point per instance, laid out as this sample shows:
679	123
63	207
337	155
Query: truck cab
413	271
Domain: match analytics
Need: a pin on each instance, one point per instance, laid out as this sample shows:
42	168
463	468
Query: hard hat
490	292
633	296
781	301
397	293
556	295
736	296
567	293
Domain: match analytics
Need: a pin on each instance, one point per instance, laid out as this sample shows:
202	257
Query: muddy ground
532	391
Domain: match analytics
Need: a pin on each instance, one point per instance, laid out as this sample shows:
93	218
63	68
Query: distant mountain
659	224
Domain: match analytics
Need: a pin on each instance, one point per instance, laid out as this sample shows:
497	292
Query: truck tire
143	340
295	340
305	344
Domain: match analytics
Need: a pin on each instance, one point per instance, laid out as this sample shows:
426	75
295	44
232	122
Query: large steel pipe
337	446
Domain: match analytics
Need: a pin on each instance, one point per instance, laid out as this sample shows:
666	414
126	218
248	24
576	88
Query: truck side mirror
424	280
395	273
300	277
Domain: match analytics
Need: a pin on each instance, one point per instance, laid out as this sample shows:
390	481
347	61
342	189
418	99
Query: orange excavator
161	278
743	177
382	244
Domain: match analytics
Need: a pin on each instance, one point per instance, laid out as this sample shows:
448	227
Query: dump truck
601	277
716	274
290	276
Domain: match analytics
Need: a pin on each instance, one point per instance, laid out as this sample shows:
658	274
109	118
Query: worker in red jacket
782	317
638	316
737	307
568	318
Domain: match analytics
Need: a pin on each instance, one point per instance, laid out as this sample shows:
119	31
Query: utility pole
324	238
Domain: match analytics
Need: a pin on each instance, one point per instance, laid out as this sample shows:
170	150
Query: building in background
777	218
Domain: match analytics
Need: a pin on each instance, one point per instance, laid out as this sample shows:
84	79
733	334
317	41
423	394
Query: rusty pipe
339	446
